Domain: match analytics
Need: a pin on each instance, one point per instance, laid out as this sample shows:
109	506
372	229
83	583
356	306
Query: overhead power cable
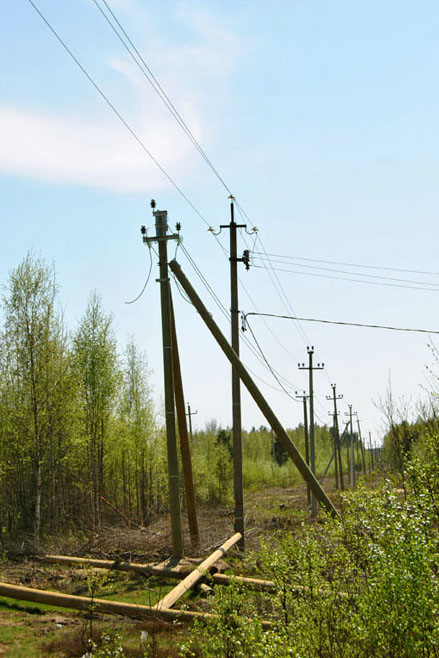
153	81
336	262
118	114
347	324
330	269
268	364
344	278
132	301
227	316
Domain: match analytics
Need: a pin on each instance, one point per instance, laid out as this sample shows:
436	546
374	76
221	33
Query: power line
146	282
335	262
348	324
159	89
268	364
226	314
374	276
153	81
343	278
118	114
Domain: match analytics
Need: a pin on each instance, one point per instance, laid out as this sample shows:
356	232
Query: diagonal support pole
254	391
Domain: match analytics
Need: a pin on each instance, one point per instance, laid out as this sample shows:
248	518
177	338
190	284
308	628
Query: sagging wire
146	282
247	326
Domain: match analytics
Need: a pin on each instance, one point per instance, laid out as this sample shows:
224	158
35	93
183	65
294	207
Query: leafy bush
361	586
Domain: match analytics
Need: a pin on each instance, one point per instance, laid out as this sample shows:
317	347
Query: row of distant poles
356	452
174	396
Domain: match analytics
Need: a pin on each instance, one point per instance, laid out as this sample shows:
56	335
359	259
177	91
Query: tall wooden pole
337	447
312	451
236	384
183	435
306	437
161	223
253	389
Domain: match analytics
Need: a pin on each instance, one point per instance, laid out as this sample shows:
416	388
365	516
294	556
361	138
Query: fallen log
181	572
86	604
197	574
98	605
144	569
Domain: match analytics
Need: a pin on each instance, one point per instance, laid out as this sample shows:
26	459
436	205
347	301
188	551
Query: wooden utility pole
334	397
236	385
183	435
256	394
305	429
311	368
363	458
351	413
189	415
161	224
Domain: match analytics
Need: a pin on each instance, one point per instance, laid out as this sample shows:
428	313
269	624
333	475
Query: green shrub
359	587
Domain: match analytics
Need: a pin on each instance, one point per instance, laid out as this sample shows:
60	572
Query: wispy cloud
76	150
92	151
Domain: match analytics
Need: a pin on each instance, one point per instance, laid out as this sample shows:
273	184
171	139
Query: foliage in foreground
362	586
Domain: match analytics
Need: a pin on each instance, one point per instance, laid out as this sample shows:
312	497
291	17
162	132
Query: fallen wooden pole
152	570
176	572
254	391
97	605
197	574
149	569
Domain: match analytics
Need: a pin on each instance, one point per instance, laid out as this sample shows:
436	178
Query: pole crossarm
253	390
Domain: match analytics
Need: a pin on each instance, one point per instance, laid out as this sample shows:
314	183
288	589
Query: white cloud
89	152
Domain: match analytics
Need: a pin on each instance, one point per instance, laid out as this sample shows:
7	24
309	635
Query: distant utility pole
370	454
304	398
189	415
161	224
363	459
311	368
338	471
236	386
351	413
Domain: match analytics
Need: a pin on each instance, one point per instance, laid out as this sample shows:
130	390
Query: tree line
78	424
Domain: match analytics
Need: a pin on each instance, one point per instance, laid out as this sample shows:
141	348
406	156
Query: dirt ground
34	630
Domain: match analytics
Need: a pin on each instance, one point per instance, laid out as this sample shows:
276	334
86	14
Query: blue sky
321	116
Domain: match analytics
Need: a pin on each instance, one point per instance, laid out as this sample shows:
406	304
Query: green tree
35	374
95	359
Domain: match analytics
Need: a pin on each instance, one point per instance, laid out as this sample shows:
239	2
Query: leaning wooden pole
260	400
183	435
197	574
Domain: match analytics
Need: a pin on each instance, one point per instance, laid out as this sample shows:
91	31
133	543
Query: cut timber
256	394
178	572
172	597
144	569
155	570
99	605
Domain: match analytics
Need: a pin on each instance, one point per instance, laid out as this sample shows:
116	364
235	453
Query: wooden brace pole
197	574
183	436
260	400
